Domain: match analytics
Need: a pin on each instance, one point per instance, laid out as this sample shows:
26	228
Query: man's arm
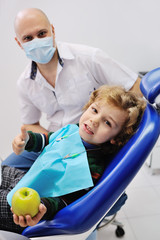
136	87
36	127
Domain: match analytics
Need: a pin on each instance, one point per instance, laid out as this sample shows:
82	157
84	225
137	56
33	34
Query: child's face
101	123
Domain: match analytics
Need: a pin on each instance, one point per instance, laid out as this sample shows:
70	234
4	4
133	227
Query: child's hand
20	141
27	220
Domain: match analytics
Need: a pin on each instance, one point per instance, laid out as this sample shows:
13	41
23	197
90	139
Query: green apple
25	201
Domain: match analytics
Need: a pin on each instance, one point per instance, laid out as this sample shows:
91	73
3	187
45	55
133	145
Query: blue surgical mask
40	50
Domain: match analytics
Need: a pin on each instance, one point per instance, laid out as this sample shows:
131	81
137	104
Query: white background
127	30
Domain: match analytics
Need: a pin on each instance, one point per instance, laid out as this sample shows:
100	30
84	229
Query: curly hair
126	101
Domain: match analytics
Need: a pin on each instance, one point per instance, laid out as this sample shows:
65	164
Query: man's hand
20	141
136	87
28	220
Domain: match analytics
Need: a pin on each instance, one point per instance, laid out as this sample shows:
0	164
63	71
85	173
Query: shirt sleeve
53	205
29	113
37	141
109	71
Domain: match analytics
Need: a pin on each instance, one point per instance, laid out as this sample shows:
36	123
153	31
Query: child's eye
108	123
94	110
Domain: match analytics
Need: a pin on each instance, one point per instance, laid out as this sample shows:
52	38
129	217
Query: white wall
128	30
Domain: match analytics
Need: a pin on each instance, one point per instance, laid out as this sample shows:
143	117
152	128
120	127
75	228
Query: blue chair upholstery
87	211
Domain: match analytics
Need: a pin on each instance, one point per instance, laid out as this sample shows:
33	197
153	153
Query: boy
111	117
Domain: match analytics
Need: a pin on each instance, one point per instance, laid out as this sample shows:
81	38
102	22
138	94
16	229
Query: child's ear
112	141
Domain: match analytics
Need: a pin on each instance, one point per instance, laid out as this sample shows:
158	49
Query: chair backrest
87	211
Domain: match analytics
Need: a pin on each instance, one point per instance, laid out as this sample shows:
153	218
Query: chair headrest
150	86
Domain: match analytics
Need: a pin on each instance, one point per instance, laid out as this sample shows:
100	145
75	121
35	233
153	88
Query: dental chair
79	219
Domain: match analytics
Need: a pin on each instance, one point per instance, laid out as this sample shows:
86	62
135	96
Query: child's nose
95	122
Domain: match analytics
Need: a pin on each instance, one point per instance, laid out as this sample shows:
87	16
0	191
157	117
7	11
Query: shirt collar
89	146
63	53
33	70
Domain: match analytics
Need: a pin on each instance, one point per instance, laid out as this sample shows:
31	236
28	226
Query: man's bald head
28	19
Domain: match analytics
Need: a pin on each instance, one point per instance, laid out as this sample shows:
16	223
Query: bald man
59	78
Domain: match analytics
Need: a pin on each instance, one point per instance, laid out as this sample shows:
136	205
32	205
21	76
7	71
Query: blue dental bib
61	168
